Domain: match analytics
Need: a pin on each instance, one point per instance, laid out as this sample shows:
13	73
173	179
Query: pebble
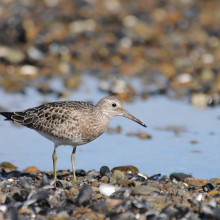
84	196
126	169
104	170
117	175
106	189
179	176
7	166
29	70
144	190
31	169
80	172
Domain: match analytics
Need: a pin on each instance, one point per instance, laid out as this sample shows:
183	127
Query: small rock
24	182
208	187
45	181
14	56
80	172
107	189
156	199
104	170
179	176
8	166
84	196
105	179
144	190
126	169
98	196
74	191
62	215
35	54
3	198
186	180
12	213
214	180
29	70
144	136
155	177
194	183
31	169
117	175
182	192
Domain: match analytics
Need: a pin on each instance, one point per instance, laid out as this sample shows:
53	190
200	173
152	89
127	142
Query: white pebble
199	197
28	70
106	189
207	58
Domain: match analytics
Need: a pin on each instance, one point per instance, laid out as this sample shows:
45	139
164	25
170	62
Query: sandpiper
71	123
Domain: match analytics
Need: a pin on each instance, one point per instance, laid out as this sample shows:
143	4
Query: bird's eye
113	105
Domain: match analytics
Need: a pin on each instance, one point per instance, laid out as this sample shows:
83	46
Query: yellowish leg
73	163
54	156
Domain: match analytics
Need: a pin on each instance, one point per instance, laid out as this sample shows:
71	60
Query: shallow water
164	153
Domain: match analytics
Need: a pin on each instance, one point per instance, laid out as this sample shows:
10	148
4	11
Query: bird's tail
7	115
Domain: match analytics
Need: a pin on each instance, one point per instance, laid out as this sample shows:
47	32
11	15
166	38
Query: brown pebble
98	196
8	166
105	179
144	136
124	182
126	169
186	180
113	202
31	169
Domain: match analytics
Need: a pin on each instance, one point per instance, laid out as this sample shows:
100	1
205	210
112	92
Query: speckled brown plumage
71	122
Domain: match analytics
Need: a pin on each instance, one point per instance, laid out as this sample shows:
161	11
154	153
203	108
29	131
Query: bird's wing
47	117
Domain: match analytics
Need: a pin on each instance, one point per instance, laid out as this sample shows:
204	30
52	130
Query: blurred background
160	57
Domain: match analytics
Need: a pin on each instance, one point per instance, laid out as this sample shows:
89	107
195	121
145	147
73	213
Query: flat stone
3	198
126	169
145	190
31	169
156	199
214	180
117	175
194	183
187	180
179	176
8	166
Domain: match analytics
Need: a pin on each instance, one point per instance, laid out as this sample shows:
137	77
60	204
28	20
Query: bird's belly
75	141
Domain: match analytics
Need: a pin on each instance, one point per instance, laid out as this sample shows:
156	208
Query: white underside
62	141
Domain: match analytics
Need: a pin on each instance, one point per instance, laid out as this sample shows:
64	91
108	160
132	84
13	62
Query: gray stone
145	190
179	176
117	175
182	192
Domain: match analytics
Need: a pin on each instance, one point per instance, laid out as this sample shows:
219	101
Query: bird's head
112	106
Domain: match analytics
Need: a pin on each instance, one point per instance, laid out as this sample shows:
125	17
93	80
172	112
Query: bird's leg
54	156
73	163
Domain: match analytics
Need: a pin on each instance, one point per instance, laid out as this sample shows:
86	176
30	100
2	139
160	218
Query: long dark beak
130	116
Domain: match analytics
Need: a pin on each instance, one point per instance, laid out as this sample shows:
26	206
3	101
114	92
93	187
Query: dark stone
59	184
179	176
84	196
45	181
24	182
104	170
208	187
134	177
39	195
119	194
12	213
80	172
155	177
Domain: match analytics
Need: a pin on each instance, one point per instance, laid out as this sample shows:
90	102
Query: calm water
164	153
